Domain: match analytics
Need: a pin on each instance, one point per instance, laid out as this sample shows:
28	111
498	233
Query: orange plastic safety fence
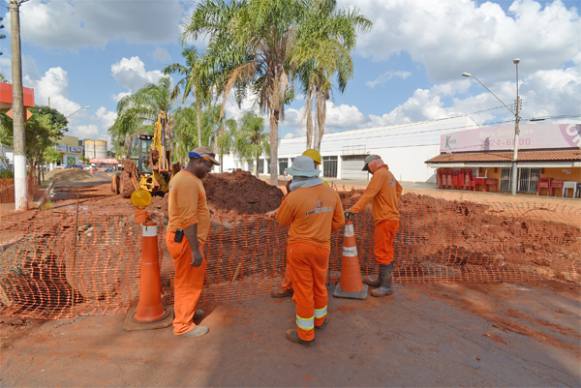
87	262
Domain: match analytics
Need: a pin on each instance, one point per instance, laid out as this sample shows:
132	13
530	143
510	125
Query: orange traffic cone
350	284
149	307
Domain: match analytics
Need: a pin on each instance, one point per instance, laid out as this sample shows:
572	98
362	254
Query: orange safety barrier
74	260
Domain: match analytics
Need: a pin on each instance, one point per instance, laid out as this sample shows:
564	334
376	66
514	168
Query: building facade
403	147
549	159
71	149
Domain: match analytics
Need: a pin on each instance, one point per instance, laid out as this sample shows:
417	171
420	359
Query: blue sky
85	53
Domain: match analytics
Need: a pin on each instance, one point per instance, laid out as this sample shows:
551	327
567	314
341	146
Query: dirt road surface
431	335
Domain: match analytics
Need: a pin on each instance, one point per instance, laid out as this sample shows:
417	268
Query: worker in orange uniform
189	224
385	192
312	211
286	289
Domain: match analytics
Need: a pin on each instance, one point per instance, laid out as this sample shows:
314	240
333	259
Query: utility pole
19	142
516	133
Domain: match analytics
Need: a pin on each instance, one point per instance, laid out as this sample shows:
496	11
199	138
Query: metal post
516	134
19	140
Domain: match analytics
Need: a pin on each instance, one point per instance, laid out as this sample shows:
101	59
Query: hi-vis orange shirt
385	191
187	204
312	213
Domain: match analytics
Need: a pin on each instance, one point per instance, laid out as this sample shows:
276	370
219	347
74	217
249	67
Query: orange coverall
385	191
187	206
312	214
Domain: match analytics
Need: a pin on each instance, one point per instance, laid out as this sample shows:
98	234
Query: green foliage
185	134
6	174
45	127
137	112
259	46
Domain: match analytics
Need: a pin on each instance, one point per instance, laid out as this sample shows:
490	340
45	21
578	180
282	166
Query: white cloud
131	73
89	131
161	55
53	86
388	75
449	36
72	25
105	117
117	97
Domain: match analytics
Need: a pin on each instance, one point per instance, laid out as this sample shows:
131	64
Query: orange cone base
130	324
149	314
361	294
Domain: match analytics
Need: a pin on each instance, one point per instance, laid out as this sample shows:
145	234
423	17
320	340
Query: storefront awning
534	159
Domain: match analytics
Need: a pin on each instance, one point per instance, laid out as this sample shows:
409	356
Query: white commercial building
405	148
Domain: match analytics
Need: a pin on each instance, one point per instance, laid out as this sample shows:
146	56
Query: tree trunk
309	117
199	122
321	118
256	165
274	116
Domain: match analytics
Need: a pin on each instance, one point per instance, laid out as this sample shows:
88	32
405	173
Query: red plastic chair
544	183
555	185
492	185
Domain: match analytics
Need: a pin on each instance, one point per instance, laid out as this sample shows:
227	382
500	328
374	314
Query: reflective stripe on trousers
305	323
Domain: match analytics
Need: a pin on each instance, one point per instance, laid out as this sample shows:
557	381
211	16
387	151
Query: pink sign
501	137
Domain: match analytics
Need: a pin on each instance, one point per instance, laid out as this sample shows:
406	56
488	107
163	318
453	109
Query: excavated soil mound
241	192
231	195
436	234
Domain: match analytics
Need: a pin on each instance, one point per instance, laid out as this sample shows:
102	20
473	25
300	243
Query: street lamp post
516	113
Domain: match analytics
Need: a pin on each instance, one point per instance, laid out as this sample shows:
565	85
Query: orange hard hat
313	154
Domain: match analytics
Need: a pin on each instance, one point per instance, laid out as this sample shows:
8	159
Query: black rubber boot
373	281
384	288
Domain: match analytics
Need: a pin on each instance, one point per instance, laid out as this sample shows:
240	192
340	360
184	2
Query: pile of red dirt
241	192
463	235
234	194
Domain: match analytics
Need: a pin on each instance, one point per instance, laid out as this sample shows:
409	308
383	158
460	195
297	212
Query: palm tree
138	111
194	75
325	39
250	45
251	140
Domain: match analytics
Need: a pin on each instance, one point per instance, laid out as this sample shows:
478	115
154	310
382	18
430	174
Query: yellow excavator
149	165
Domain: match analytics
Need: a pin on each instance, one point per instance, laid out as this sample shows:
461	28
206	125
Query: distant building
71	149
95	149
405	148
549	158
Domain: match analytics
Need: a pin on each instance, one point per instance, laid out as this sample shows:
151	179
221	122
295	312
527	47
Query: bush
6	174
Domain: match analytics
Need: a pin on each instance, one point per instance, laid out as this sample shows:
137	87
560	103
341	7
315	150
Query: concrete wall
405	148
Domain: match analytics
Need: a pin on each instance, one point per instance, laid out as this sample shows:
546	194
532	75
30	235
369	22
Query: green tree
185	134
251	141
250	46
44	128
194	75
325	39
137	112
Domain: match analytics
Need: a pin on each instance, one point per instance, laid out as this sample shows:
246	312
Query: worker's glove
196	258
349	215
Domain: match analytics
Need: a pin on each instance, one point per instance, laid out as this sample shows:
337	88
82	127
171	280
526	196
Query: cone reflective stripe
350	284
149	307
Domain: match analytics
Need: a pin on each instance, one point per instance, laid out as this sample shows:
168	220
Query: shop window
282	165
330	166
